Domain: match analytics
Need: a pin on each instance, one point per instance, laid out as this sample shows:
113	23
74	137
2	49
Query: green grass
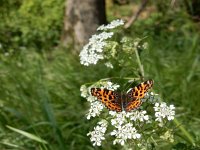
39	93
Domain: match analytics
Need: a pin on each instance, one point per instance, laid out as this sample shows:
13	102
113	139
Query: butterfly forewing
139	91
107	97
134	104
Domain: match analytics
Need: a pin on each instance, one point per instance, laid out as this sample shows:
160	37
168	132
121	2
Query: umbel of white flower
125	132
93	51
163	111
95	109
97	135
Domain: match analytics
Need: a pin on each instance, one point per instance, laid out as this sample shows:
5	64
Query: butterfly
116	101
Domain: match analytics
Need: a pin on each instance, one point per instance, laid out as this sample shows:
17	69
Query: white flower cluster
124	129
95	109
125	132
112	25
118	118
97	135
93	51
84	91
163	111
139	115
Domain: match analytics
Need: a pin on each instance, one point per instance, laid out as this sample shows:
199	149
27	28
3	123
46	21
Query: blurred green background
40	80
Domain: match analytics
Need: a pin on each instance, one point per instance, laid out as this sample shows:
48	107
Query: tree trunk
82	17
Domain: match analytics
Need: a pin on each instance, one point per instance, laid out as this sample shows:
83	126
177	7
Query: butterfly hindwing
134	104
107	97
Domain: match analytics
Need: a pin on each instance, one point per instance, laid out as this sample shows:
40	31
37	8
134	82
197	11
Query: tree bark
82	17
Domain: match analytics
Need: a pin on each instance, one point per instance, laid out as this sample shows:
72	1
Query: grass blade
28	135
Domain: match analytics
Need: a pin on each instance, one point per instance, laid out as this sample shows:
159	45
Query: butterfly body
122	101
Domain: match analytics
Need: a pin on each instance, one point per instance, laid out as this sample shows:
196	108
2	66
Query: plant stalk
139	63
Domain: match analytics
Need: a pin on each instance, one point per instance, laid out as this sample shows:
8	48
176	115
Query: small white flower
153	94
91	98
136	43
145	45
113	24
84	91
139	115
110	86
113	113
119	118
120	141
97	135
95	109
125	132
164	111
109	65
150	97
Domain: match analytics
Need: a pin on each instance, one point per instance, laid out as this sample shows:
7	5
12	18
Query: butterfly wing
134	104
107	97
137	93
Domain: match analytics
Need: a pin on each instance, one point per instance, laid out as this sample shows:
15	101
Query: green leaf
29	135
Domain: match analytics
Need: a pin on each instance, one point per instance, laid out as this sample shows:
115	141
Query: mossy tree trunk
82	17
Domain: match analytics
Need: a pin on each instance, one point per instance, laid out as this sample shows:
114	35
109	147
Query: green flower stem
139	63
184	131
154	141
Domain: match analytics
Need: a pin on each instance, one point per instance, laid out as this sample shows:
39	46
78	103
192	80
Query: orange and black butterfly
118	102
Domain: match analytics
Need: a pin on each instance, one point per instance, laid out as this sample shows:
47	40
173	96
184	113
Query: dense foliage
31	24
40	92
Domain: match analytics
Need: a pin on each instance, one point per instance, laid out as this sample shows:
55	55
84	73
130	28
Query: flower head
93	51
95	109
163	111
119	118
97	135
139	115
84	91
124	132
